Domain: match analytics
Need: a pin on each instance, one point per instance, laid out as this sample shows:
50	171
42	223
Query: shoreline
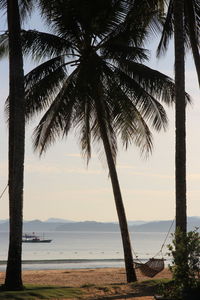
61	261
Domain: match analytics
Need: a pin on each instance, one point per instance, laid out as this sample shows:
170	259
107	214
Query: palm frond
127	119
103	117
150	109
153	82
192	20
74	18
3	4
57	121
117	50
167	31
144	17
42	84
4	45
43	45
26	7
85	132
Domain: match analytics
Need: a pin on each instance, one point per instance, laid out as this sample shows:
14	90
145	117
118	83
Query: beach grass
32	292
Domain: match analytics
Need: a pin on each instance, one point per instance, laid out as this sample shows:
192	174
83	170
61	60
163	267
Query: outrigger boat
32	238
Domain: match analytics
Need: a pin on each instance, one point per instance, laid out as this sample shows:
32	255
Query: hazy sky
59	184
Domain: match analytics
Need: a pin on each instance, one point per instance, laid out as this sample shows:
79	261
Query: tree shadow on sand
142	289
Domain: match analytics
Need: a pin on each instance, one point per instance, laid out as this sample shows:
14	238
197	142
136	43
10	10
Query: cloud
193	176
149	192
121	166
73	155
90	191
77	155
148	174
54	169
4	170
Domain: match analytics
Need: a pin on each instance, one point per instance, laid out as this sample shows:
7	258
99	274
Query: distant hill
88	226
35	225
3	221
164	226
130	223
58	220
60	225
153	226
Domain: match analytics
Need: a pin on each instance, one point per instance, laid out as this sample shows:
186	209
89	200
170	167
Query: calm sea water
83	249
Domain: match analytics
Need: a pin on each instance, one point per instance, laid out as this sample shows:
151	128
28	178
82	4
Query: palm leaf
42	84
4	45
127	119
153	82
58	118
25	7
43	45
167	31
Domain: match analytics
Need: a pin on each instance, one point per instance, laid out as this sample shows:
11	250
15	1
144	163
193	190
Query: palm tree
186	27
13	280
92	80
180	117
191	15
180	150
183	20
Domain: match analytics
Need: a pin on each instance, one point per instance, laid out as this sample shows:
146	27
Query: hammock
154	265
150	268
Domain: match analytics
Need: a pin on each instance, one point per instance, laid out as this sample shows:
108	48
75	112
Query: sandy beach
88	278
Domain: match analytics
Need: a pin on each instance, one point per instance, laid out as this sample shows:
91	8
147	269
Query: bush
185	268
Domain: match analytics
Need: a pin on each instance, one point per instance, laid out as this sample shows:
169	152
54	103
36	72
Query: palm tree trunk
130	272
193	36
181	210
13	280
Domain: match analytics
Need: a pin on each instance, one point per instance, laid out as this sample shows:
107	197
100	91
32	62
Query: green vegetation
151	287
185	268
88	285
151	284
32	292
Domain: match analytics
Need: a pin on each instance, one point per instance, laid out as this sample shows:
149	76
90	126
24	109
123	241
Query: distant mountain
154	226
164	226
130	223
4	226
35	225
3	221
60	225
57	220
88	226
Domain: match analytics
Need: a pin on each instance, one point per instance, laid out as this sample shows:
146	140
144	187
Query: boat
33	238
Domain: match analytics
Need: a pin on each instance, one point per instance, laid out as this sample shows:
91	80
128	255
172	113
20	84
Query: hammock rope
154	265
2	193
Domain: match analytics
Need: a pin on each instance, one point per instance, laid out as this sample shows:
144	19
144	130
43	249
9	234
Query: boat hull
36	241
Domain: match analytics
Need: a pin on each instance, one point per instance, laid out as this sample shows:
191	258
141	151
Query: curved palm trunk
181	214
13	280
193	36
130	272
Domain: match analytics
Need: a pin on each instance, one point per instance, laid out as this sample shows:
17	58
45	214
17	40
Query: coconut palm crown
191	29
90	59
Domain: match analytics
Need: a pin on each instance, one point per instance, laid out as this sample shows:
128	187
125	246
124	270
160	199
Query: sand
89	277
